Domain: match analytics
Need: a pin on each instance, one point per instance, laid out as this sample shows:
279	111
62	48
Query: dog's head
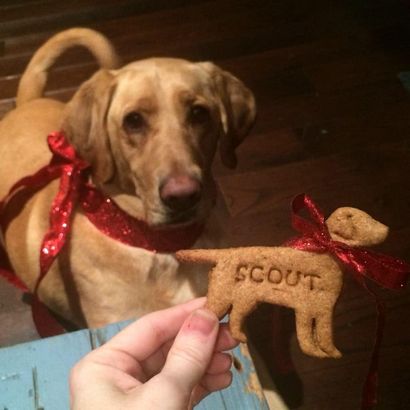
152	128
355	227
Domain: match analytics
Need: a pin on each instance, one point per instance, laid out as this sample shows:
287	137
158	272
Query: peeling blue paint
35	375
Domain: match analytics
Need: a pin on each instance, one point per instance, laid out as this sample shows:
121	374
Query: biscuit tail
34	78
201	255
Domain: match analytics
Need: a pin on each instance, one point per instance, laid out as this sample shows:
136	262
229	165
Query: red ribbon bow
391	273
74	188
73	172
388	272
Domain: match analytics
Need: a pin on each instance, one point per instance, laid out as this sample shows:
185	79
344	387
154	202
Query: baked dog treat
306	281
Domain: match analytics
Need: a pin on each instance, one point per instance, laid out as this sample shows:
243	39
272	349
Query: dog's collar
99	208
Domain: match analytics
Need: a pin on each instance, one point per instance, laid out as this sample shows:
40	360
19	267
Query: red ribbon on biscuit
390	273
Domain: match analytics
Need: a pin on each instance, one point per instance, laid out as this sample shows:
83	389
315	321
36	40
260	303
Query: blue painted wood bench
34	376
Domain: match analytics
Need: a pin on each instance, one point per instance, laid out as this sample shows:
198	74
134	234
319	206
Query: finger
220	363
214	382
209	384
191	353
116	360
225	340
146	335
154	363
198	394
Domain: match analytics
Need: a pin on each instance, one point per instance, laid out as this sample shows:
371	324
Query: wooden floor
333	121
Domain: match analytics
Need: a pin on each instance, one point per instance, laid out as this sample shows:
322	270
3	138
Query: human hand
170	359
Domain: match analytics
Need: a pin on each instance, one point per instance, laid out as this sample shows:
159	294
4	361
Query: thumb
190	355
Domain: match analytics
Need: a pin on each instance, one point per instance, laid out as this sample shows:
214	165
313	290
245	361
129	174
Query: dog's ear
84	123
237	109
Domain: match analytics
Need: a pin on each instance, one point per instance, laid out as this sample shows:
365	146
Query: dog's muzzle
180	193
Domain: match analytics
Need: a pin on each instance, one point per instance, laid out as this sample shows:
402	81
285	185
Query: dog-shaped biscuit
306	281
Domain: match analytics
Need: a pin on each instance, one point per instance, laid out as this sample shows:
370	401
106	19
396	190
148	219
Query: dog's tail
34	78
201	255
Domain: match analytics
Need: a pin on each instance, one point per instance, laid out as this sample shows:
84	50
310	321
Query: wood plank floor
333	121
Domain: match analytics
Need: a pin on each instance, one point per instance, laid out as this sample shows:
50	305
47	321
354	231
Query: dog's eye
133	122
198	114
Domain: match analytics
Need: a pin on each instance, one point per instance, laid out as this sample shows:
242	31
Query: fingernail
202	321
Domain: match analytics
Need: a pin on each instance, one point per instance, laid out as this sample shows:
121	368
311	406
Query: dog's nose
180	192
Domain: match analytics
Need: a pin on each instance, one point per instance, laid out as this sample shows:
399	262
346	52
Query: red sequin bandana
74	174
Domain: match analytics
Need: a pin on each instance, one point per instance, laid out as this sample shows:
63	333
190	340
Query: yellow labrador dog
150	131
